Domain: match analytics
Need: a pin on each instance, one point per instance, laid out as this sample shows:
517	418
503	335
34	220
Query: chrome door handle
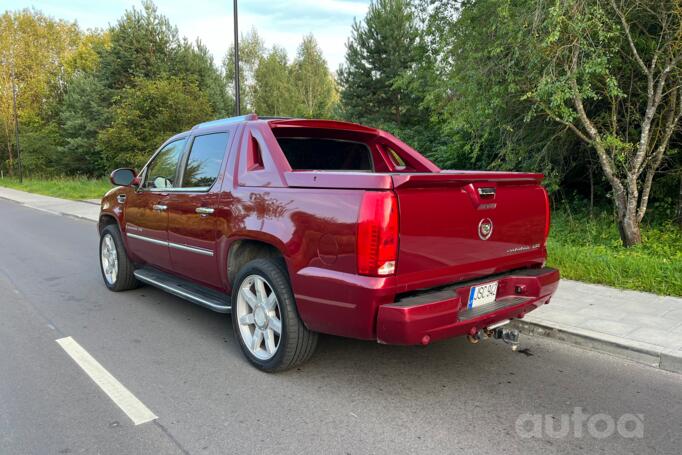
159	207
204	210
483	191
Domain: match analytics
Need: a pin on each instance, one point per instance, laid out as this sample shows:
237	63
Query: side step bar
213	300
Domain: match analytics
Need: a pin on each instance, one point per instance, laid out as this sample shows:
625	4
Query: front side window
161	172
204	160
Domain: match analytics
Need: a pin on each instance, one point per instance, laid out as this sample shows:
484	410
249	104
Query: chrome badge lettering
520	249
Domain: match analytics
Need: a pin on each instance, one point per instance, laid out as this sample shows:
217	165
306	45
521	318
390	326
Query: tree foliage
147	113
566	87
386	76
251	49
313	86
144	45
84	112
380	51
273	94
610	71
473	75
586	91
35	48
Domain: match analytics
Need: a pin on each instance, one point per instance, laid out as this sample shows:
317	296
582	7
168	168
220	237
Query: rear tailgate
445	219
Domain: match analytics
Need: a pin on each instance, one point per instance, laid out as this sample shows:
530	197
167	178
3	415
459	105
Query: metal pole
16	121
236	61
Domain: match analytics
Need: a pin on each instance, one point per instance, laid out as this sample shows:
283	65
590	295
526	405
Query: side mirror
123	177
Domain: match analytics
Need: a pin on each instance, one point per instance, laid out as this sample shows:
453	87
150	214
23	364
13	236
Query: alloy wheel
259	317
109	258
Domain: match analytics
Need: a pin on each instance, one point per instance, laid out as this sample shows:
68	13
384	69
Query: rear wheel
117	269
265	318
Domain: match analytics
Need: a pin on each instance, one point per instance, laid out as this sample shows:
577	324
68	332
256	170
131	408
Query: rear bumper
443	313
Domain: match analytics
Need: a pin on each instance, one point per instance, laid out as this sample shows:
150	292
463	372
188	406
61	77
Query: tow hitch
509	336
498	332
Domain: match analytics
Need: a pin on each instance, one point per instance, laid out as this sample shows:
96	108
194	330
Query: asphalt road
353	397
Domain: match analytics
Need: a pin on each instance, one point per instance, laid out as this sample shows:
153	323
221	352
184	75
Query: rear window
326	154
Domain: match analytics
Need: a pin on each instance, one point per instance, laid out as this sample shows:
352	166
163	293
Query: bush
589	249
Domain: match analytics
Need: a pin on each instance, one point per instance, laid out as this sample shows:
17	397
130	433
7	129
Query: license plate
482	294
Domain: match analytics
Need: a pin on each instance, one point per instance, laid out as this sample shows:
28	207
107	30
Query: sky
277	21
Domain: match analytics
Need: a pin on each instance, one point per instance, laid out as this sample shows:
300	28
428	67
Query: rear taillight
377	248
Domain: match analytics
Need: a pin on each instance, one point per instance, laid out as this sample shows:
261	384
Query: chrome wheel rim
259	317
109	258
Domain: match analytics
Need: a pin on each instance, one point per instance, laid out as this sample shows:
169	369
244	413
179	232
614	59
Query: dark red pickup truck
299	227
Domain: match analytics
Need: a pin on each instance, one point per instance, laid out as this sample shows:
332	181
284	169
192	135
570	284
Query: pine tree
194	62
143	46
83	113
379	53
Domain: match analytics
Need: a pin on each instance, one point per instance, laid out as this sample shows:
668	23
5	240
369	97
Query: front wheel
265	318
117	269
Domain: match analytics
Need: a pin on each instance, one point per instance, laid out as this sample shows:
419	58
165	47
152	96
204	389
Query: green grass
590	250
63	187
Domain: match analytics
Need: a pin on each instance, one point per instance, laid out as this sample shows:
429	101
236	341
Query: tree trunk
629	231
10	160
628	224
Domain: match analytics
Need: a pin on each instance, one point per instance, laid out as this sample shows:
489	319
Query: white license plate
482	294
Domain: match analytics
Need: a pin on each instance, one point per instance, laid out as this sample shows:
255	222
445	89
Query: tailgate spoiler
462	178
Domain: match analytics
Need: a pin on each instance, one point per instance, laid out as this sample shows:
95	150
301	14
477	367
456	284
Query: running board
195	293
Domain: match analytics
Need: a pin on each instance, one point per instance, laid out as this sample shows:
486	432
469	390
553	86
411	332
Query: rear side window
204	160
326	154
161	171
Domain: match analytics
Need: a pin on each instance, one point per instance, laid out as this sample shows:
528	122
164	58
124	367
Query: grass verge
63	187
590	250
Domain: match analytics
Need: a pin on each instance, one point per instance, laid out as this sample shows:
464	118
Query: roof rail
226	121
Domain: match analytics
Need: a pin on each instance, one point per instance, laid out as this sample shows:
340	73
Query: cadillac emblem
485	228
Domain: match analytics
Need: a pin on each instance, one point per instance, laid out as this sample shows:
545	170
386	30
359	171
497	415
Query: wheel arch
110	219
107	219
243	250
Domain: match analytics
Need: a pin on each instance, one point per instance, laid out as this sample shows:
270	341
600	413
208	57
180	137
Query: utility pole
16	119
236	61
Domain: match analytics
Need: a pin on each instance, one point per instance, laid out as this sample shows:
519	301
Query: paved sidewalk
88	210
639	326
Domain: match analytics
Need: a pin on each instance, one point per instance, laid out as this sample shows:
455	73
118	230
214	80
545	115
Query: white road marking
124	399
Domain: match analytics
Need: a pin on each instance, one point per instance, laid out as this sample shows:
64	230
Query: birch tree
613	77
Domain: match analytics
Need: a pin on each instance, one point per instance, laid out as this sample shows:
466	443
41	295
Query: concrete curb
628	349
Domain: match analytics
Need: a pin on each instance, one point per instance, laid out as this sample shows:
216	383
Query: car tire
117	269
257	317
